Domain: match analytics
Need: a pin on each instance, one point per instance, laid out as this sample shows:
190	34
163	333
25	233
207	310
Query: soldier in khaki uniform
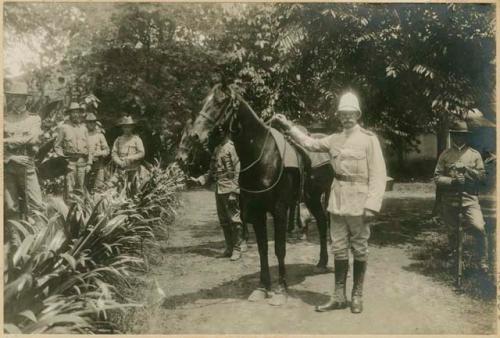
459	171
128	152
357	192
21	135
72	142
99	149
224	170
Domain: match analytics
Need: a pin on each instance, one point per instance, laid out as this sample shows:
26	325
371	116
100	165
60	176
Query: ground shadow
242	287
210	249
434	258
400	221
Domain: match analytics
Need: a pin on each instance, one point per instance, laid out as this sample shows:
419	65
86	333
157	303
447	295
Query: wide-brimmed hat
90	117
459	126
126	121
74	106
16	87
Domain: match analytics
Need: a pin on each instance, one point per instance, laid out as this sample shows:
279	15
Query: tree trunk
442	134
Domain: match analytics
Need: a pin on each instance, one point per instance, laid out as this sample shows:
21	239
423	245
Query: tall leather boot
338	300
483	251
237	234
359	269
229	242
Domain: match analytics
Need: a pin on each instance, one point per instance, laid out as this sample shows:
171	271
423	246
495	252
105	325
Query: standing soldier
357	193
72	142
99	149
224	170
459	171
21	134
128	152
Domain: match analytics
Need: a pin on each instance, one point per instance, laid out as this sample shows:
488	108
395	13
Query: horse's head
199	135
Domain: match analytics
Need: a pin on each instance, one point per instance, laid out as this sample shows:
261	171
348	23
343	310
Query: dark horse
265	184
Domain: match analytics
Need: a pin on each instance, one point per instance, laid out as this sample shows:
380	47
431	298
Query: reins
259	158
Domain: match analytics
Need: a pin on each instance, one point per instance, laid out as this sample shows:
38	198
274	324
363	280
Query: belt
348	178
75	156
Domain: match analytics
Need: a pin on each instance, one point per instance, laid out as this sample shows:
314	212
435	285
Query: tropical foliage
414	65
66	271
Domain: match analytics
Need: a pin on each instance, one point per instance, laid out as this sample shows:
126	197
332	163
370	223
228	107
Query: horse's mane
245	103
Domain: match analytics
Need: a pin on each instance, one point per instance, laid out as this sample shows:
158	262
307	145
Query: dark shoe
338	300
225	254
359	269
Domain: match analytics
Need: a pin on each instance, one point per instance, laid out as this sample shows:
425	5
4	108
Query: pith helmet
459	126
90	117
126	121
16	87
74	106
349	102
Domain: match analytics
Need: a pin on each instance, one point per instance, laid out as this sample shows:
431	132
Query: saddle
293	156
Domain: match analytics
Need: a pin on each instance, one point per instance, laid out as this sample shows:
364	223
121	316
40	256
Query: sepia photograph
249	168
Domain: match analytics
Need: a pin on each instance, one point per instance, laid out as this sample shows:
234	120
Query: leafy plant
65	273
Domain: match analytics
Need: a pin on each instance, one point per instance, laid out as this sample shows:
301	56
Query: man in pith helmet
459	171
357	192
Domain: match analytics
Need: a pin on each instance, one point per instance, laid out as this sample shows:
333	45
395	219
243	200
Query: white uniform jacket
360	173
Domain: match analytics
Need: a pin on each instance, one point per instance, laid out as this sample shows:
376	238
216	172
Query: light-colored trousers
349	232
22	196
75	179
472	216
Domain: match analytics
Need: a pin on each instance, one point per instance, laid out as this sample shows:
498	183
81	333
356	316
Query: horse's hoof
278	299
258	295
320	269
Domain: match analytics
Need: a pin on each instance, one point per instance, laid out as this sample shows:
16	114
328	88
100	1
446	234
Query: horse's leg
259	225
314	204
292	218
280	226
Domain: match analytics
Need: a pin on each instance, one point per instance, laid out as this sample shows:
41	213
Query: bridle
227	114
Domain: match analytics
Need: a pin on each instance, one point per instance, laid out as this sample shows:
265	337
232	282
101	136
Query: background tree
415	66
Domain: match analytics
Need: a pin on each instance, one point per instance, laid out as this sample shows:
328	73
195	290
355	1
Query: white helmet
349	102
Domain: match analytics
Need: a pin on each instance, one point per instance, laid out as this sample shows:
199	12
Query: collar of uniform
463	147
352	130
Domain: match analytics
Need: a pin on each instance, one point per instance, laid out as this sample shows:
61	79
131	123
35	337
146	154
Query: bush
63	274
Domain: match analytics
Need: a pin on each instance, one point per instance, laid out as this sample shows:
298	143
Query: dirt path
192	291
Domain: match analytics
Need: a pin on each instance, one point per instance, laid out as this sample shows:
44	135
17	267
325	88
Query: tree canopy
413	65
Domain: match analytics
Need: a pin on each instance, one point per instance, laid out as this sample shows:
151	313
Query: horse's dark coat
266	186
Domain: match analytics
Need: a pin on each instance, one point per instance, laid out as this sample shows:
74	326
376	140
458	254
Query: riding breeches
349	232
472	216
